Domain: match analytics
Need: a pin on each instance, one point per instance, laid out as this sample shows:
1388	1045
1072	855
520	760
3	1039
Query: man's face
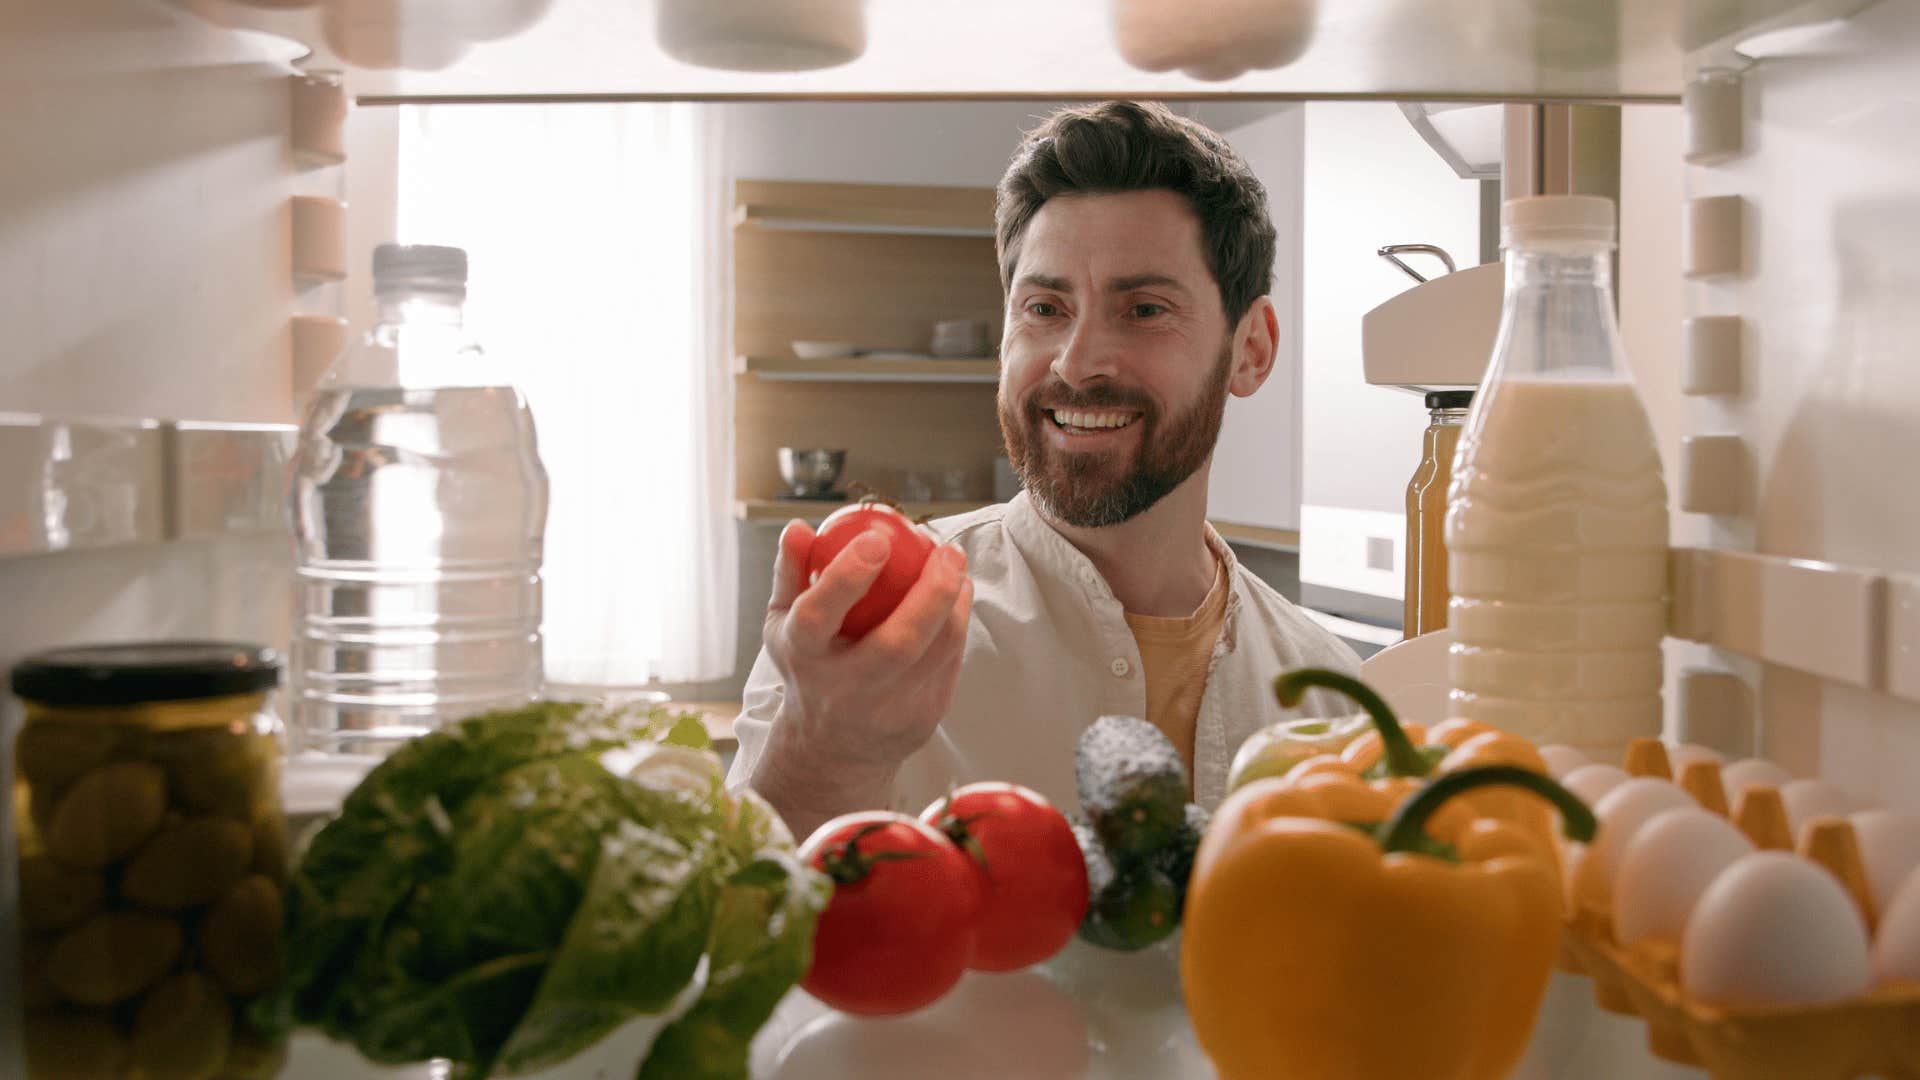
1118	356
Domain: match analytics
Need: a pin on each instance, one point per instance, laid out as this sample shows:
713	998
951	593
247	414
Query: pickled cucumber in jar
240	941
113	956
73	1044
152	856
108	813
188	864
182	1030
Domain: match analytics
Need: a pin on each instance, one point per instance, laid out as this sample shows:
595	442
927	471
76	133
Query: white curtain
597	242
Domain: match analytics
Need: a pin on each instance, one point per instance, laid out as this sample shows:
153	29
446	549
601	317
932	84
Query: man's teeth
1092	419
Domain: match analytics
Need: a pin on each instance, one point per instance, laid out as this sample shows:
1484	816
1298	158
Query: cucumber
1128	909
1133	786
1139	907
1176	859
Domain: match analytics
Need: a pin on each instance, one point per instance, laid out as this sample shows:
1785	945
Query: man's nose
1091	352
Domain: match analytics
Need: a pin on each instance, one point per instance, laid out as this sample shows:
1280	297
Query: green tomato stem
1404	831
1398	753
846	864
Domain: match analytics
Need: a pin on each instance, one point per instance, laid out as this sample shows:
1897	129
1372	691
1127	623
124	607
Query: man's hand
854	710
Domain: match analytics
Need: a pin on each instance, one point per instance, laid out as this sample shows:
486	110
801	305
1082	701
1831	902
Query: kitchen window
597	240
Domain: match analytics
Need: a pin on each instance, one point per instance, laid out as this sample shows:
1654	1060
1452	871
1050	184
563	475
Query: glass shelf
1566	50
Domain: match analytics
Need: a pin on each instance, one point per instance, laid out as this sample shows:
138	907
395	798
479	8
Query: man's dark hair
1118	146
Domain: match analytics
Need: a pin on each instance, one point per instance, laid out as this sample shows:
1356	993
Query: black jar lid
1449	399
135	672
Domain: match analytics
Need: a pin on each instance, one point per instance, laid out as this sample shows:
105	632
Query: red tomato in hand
1033	878
904	560
899	929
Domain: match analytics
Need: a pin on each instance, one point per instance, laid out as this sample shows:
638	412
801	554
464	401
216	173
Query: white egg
1621	813
1666	867
1774	929
1590	782
1896	948
1679	757
1808	799
1562	760
1749	771
1889	848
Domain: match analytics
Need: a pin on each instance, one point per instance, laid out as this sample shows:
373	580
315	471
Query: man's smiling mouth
1091	419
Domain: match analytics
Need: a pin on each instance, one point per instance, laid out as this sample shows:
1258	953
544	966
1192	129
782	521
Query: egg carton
1876	1034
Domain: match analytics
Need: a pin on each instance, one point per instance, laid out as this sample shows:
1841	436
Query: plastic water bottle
419	508
1557	515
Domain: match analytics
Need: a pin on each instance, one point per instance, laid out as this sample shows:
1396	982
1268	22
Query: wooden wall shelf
887	222
882	288
887	209
865	369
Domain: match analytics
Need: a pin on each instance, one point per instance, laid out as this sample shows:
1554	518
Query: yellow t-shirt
1176	654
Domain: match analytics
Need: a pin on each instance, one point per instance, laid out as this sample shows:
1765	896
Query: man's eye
1147	311
1043	309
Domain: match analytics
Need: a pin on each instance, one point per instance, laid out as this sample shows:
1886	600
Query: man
1135	252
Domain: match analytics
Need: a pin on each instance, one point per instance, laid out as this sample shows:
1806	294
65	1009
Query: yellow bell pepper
1392	749
1312	948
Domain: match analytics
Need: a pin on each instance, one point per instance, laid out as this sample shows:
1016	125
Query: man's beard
1089	491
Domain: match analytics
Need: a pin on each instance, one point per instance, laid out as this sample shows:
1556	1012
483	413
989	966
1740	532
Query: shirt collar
1034	534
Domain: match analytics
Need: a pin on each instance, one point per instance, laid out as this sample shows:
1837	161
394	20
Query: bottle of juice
1426	554
1557	517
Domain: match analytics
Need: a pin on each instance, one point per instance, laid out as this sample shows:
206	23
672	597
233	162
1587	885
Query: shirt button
1120	666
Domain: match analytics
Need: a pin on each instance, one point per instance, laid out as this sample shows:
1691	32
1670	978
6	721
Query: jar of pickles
153	855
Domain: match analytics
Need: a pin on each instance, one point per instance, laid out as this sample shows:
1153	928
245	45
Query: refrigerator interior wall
144	258
1370	181
1829	391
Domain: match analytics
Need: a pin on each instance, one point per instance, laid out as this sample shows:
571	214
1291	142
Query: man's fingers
790	565
910	630
814	617
951	640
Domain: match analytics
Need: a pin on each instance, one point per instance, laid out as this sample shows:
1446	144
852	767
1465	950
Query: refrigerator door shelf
77	483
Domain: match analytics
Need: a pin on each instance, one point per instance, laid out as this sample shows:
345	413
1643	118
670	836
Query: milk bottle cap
1584	220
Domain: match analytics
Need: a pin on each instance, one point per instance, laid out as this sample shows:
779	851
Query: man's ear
1255	341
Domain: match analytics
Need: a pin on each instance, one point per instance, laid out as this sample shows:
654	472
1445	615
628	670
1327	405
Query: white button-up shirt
1049	650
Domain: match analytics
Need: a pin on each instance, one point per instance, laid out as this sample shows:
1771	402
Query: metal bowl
811	473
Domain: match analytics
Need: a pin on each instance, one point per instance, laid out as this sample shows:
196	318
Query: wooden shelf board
883	220
782	510
866	369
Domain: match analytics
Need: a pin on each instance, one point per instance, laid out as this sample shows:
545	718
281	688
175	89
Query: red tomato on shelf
900	928
904	560
1033	878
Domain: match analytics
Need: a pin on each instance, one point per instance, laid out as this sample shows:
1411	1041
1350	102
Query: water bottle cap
419	268
1575	219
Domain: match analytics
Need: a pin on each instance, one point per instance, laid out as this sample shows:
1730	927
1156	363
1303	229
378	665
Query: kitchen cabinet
874	265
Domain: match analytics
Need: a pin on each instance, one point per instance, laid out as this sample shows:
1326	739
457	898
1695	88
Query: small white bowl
823	350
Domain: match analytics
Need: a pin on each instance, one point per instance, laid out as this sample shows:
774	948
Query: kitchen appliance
811	473
960	337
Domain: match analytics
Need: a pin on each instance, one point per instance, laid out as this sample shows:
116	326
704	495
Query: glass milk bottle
1557	516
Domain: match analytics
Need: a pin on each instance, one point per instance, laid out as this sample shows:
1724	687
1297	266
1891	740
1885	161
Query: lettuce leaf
631	947
760	945
505	892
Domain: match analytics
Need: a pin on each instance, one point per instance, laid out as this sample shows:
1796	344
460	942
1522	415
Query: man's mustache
1059	395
